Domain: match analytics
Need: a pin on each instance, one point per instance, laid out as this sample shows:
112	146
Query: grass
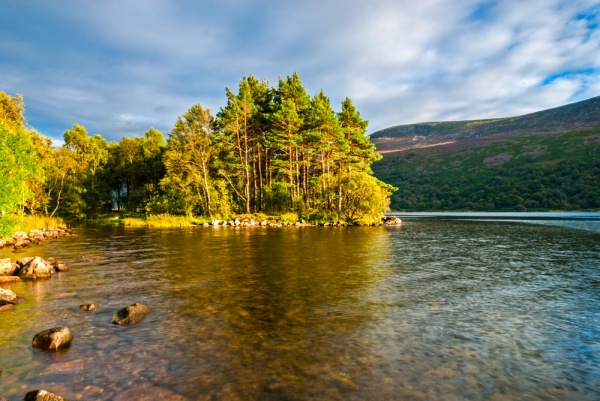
9	224
159	221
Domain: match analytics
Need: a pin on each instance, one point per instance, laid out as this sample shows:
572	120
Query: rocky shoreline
21	240
55	338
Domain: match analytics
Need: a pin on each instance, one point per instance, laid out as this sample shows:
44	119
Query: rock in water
7	297
131	314
6	267
36	268
88	307
53	339
60	266
42	395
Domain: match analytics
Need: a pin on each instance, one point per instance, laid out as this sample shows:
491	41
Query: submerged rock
148	392
88	307
42	395
53	339
36	268
7	297
131	314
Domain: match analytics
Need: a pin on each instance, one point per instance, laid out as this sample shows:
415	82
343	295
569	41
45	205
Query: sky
121	67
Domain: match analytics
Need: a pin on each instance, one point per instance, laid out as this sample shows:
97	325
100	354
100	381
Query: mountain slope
575	116
549	160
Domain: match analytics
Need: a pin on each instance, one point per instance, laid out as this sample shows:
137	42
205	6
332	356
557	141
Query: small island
271	154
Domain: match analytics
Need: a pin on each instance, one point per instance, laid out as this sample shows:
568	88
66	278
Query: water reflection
435	310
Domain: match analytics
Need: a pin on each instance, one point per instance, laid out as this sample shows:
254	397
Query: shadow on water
435	310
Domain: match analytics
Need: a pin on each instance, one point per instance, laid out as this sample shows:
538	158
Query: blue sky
121	67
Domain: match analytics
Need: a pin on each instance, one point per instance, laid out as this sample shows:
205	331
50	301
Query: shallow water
438	309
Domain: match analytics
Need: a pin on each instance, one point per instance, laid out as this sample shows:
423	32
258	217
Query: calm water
444	308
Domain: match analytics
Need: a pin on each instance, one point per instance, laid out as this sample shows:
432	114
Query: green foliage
11	112
274	150
363	197
531	172
288	217
8	224
18	164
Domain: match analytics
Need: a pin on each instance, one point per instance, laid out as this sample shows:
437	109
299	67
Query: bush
288	217
7	225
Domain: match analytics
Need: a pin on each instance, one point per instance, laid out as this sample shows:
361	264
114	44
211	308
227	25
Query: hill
548	160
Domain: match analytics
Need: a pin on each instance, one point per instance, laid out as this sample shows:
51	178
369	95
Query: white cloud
119	68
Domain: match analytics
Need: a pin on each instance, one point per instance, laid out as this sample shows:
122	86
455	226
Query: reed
158	221
28	223
167	221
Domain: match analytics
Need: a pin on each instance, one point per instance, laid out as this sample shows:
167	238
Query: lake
445	307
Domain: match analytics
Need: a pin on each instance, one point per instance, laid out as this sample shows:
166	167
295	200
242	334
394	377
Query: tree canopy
268	150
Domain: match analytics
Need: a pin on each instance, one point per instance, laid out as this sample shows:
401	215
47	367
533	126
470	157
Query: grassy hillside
575	116
534	163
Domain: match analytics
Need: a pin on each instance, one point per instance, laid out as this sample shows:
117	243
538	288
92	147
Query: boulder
42	395
35	269
61	266
7	268
19	234
9	279
215	223
131	314
53	339
22	262
7	297
391	220
21	243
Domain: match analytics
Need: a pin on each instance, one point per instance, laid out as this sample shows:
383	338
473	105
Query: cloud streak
119	69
